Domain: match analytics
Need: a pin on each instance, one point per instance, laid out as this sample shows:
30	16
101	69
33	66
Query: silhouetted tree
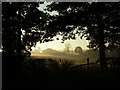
22	27
67	48
19	17
78	50
98	22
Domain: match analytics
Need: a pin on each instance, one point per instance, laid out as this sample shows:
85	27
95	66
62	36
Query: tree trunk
103	62
102	57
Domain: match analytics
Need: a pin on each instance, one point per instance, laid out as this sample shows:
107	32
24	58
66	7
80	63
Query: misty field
52	63
48	72
76	58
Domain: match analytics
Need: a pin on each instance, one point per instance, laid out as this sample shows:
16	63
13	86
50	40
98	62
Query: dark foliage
97	22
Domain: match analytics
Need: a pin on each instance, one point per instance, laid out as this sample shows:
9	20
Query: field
48	72
77	59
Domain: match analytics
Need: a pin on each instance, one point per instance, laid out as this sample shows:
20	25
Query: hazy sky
56	44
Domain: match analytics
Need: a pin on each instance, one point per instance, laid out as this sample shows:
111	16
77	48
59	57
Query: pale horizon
57	45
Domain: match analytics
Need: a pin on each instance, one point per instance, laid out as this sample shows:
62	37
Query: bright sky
56	44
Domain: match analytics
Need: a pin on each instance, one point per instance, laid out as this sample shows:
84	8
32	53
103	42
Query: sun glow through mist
57	45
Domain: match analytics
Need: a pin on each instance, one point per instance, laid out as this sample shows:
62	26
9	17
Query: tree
23	17
78	50
22	26
98	22
67	48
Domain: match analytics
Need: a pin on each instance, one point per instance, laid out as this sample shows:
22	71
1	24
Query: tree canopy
78	50
23	24
67	48
82	18
97	22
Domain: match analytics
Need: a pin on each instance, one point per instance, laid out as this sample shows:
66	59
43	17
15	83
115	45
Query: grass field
77	59
62	73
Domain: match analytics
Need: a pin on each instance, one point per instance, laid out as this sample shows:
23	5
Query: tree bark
102	57
103	62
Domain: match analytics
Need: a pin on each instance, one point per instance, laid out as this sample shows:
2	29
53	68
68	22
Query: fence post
87	63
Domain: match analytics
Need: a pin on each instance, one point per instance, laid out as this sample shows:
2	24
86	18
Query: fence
112	62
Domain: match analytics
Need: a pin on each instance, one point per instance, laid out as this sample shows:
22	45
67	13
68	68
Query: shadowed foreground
62	74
